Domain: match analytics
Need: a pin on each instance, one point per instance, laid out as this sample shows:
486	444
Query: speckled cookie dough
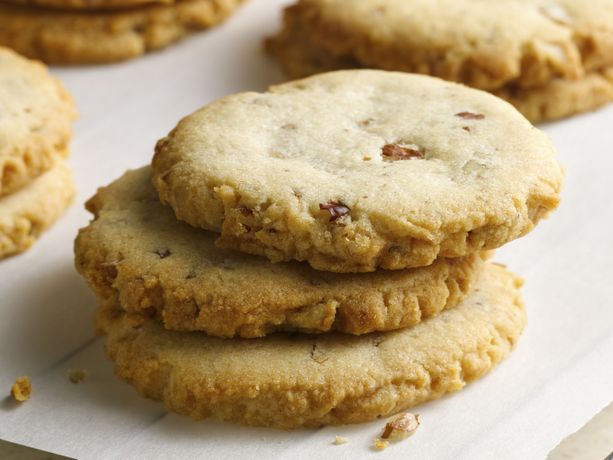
358	170
74	37
36	115
292	380
137	252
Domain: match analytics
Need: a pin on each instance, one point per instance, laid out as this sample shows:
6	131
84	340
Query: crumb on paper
21	389
76	375
401	427
381	444
338	440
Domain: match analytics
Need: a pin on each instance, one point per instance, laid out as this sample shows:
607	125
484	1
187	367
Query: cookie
477	43
357	170
562	98
137	252
293	380
35	120
65	37
556	99
98	5
25	214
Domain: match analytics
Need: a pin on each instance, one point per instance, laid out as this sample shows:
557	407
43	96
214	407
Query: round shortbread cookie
356	170
36	115
485	44
25	214
137	252
555	99
65	37
288	381
562	98
83	5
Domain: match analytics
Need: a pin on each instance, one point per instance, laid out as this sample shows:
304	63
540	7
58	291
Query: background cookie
289	381
89	4
25	214
476	42
136	250
63	37
36	115
561	98
355	170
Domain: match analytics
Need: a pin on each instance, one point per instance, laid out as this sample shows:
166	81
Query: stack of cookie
99	31
321	260
36	115
550	59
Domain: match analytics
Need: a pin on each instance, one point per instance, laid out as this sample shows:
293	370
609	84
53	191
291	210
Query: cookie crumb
21	389
338	440
381	444
401	427
76	375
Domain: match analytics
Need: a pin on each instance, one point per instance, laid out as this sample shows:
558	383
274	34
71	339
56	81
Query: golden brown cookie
293	380
562	98
358	170
26	213
562	49
36	115
137	252
73	37
83	5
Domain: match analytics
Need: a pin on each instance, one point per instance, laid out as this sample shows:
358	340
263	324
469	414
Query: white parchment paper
560	375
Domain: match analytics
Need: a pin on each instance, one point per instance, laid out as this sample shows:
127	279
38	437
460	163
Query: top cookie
485	44
36	114
355	170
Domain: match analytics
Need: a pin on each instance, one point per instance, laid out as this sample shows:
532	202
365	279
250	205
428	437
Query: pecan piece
162	253
470	116
401	427
247	212
335	208
393	152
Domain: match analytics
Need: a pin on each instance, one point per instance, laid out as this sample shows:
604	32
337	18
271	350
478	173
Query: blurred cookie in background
549	59
35	128
81	35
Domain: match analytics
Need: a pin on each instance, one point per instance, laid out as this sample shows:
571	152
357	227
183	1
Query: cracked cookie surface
358	170
562	49
26	213
36	115
75	37
293	380
136	252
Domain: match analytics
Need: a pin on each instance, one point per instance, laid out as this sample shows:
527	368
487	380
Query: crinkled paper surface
558	378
